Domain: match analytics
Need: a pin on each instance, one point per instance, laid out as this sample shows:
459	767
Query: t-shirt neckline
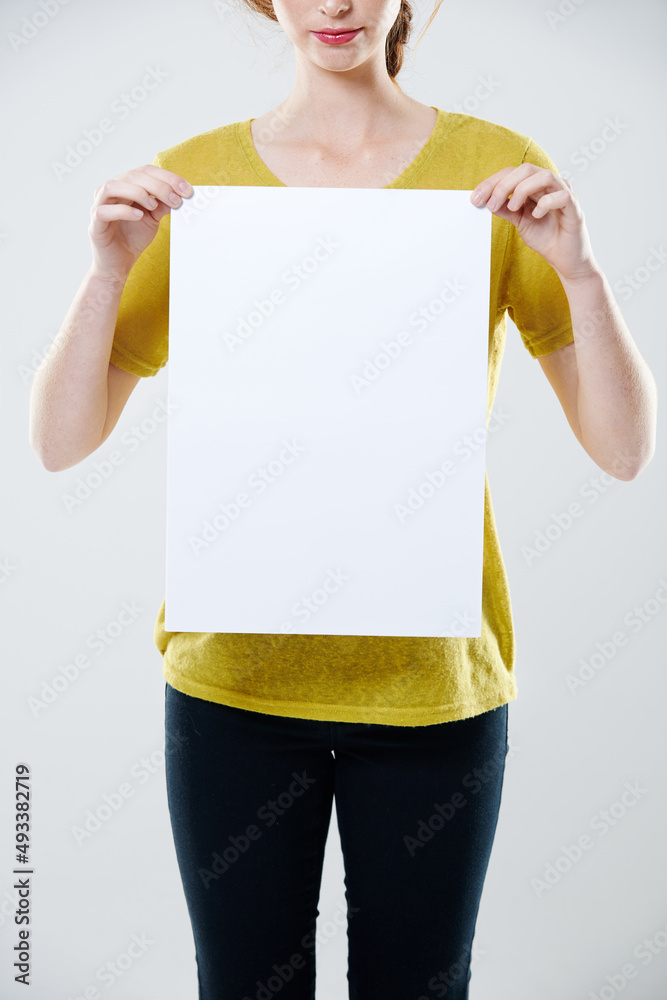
404	179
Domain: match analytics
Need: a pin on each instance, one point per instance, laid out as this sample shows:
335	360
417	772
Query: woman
409	734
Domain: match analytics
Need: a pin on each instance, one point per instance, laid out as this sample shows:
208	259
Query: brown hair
396	39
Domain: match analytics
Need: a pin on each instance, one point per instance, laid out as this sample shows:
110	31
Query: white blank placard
327	387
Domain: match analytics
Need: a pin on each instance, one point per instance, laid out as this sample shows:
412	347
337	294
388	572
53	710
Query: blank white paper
328	352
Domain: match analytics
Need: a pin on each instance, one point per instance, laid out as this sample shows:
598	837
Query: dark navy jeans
250	799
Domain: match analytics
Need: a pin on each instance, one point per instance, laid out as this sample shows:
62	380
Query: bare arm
604	384
77	395
605	387
69	402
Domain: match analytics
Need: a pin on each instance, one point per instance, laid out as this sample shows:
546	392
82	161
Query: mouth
337	35
336	31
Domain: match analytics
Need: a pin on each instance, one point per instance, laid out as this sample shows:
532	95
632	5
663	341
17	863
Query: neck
350	108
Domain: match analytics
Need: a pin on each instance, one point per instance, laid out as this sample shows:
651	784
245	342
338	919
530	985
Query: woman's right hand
117	235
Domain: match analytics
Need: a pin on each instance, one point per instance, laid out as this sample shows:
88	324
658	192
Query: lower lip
337	39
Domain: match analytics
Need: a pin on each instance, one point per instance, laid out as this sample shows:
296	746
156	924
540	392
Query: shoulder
200	155
490	140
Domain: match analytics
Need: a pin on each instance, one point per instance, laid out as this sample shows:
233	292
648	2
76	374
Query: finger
133	190
116	190
480	194
554	199
503	180
177	182
156	184
531	179
533	187
105	214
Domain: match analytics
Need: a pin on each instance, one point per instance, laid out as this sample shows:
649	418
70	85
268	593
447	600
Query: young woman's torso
310	166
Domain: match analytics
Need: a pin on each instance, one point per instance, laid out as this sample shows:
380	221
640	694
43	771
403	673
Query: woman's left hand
545	210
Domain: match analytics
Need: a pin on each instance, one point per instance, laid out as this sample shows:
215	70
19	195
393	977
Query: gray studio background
66	574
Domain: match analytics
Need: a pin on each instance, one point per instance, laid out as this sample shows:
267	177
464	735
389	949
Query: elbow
636	470
38	438
49	459
54	464
55	454
40	449
51	466
627	467
631	454
646	447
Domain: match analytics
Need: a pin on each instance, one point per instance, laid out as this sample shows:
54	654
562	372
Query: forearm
68	397
617	394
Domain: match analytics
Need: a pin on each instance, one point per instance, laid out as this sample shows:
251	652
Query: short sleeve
141	336
530	288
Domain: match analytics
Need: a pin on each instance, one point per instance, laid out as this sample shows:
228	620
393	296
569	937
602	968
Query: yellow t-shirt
404	681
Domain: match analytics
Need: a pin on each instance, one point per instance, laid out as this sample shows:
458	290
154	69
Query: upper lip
335	31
